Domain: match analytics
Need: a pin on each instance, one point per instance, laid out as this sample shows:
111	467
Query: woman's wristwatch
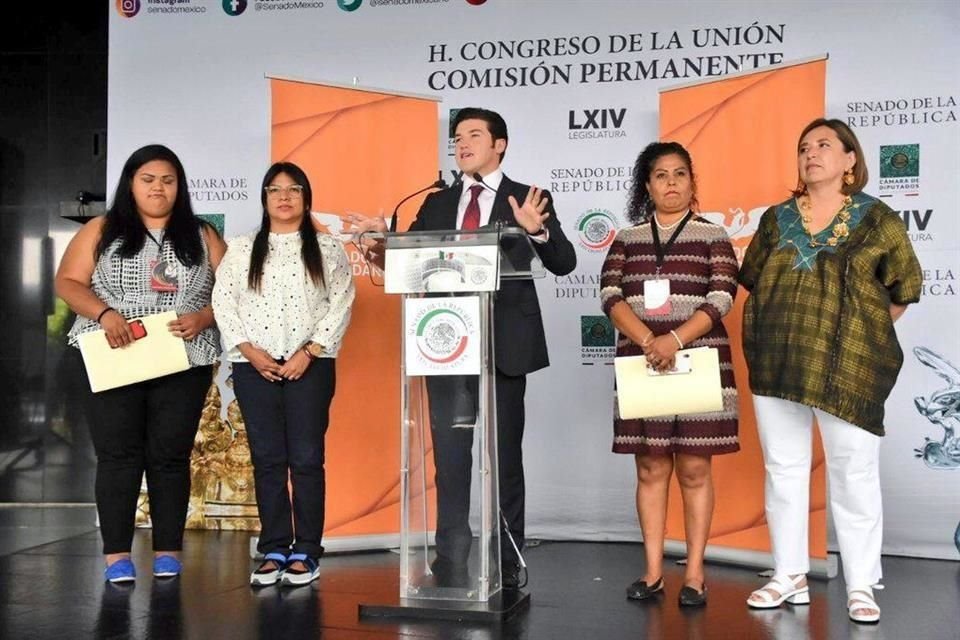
313	350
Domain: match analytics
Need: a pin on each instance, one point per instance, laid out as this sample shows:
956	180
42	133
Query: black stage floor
55	589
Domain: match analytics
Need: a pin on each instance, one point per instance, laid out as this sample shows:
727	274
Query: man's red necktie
471	217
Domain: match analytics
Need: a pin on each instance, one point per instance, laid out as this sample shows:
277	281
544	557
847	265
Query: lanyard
161	241
662	250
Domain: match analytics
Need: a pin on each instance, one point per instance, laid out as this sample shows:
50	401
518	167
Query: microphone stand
439	184
476	176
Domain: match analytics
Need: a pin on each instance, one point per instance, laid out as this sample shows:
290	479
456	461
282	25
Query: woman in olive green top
829	271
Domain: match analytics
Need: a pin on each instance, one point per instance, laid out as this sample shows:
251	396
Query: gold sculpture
221	472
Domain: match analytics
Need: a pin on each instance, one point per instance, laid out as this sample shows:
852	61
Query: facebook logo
234	7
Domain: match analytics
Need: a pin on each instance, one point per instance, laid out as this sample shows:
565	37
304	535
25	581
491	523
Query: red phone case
139	331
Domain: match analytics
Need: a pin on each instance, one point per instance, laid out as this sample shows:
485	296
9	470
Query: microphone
500	223
479	178
439	184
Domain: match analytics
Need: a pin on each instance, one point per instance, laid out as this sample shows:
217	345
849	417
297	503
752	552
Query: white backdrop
577	83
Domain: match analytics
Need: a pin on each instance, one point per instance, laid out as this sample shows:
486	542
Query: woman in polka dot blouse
282	301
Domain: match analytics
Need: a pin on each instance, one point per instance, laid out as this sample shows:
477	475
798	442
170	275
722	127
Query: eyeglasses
294	191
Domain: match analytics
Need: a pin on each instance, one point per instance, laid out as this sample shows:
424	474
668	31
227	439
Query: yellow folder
157	354
695	388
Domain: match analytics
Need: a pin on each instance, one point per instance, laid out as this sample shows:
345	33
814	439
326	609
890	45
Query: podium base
499	608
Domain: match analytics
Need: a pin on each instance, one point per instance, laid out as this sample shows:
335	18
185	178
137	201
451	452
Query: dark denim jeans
286	425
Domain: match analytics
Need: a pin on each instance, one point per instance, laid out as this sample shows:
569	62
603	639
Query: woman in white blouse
282	301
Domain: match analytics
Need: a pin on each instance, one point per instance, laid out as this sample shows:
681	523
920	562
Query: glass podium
450	514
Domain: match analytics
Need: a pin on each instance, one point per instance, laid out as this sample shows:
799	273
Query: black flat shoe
690	597
450	574
640	591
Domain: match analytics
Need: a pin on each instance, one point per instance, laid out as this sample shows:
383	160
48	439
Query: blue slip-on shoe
300	577
121	571
270	570
166	567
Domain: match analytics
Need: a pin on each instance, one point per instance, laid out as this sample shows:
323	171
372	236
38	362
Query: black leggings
148	426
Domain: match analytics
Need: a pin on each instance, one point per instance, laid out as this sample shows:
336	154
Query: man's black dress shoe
447	573
690	597
640	590
510	574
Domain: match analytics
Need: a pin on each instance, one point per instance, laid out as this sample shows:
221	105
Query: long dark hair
640	204
309	246
124	222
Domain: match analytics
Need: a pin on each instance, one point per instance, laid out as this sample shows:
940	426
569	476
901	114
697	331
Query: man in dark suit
520	345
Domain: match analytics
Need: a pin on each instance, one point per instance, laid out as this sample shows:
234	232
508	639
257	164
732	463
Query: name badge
163	276
656	297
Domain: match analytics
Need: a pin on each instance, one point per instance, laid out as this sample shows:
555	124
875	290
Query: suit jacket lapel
501	207
447	215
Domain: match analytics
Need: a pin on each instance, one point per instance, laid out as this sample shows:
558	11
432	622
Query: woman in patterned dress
147	255
666	283
282	302
829	271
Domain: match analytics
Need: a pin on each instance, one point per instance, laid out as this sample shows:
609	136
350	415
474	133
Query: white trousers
853	477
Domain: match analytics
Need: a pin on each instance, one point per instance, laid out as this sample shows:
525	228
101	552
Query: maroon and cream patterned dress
702	270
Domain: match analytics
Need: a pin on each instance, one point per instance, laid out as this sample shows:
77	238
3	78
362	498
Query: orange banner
742	135
363	151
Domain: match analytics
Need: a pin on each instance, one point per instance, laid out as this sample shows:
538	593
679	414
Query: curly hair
640	204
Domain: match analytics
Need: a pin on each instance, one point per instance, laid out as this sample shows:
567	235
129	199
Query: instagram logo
128	8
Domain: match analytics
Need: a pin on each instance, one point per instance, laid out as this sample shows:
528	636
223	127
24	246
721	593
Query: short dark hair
640	205
309	247
850	143
496	125
123	220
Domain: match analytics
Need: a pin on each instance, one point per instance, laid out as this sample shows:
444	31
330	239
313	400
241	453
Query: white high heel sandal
860	600
788	590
